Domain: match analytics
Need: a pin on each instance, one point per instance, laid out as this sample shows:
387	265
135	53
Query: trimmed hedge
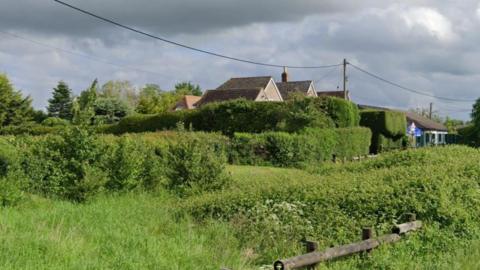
30	129
388	129
248	117
294	150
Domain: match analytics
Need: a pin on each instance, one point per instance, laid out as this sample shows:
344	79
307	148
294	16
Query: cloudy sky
427	45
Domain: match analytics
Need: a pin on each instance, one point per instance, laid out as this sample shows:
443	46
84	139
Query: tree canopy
14	108
60	105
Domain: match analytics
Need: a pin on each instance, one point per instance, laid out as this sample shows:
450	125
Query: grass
151	230
135	231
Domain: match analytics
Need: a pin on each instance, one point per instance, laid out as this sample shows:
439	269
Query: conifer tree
60	105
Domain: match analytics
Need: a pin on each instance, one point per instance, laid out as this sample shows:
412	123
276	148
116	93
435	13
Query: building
288	88
425	131
187	103
250	88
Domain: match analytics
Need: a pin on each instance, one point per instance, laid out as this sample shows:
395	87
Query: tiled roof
424	122
246	83
286	88
224	95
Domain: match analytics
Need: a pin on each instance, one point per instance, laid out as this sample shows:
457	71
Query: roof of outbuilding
286	88
230	94
424	122
246	83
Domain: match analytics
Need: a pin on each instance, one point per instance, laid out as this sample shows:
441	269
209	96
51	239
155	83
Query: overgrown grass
133	231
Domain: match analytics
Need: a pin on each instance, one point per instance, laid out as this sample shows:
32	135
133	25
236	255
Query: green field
261	217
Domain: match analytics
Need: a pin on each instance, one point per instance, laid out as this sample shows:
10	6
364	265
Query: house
254	94
424	130
338	94
288	88
249	88
186	103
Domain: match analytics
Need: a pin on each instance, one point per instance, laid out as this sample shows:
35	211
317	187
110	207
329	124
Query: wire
325	76
406	88
187	46
92	58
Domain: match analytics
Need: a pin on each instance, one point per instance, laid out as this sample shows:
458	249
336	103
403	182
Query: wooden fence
313	257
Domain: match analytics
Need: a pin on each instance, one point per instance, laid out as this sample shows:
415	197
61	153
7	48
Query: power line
407	88
188	46
92	58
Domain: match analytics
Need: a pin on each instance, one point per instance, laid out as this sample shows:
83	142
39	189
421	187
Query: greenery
388	129
312	146
331	206
60	105
14	108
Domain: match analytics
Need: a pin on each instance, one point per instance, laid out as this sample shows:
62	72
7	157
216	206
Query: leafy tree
122	90
476	115
187	88
110	110
453	124
60	105
149	100
83	106
425	112
14	108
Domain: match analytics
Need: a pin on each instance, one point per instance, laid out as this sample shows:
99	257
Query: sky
429	46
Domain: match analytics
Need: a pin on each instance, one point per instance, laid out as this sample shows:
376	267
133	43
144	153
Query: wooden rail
312	258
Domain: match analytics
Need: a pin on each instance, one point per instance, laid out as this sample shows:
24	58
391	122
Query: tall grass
133	231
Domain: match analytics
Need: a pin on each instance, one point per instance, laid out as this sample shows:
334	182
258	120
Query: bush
388	129
298	149
193	167
65	166
55	121
30	128
11	179
244	116
440	185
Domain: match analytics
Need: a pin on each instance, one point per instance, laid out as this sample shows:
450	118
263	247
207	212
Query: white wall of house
272	93
311	91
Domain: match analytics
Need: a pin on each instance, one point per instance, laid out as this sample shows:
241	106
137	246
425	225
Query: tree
14	108
110	110
453	124
60	105
122	90
425	112
476	115
83	106
187	88
149	100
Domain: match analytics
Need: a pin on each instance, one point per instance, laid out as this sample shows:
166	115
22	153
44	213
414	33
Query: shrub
65	166
55	121
11	179
298	149
30	128
193	167
388	129
352	142
244	116
131	164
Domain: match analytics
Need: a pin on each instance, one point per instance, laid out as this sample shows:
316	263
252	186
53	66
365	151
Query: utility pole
431	111
345	79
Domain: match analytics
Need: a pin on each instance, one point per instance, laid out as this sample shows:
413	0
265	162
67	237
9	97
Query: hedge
249	117
293	150
30	128
388	129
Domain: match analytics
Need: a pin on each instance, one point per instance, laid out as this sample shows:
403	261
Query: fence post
311	246
367	233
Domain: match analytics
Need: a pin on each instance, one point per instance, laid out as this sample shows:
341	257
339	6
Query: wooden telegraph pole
345	96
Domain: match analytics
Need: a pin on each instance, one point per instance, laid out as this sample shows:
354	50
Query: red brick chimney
285	75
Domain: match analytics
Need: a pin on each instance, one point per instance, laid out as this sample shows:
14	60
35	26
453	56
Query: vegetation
388	129
60	105
14	108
